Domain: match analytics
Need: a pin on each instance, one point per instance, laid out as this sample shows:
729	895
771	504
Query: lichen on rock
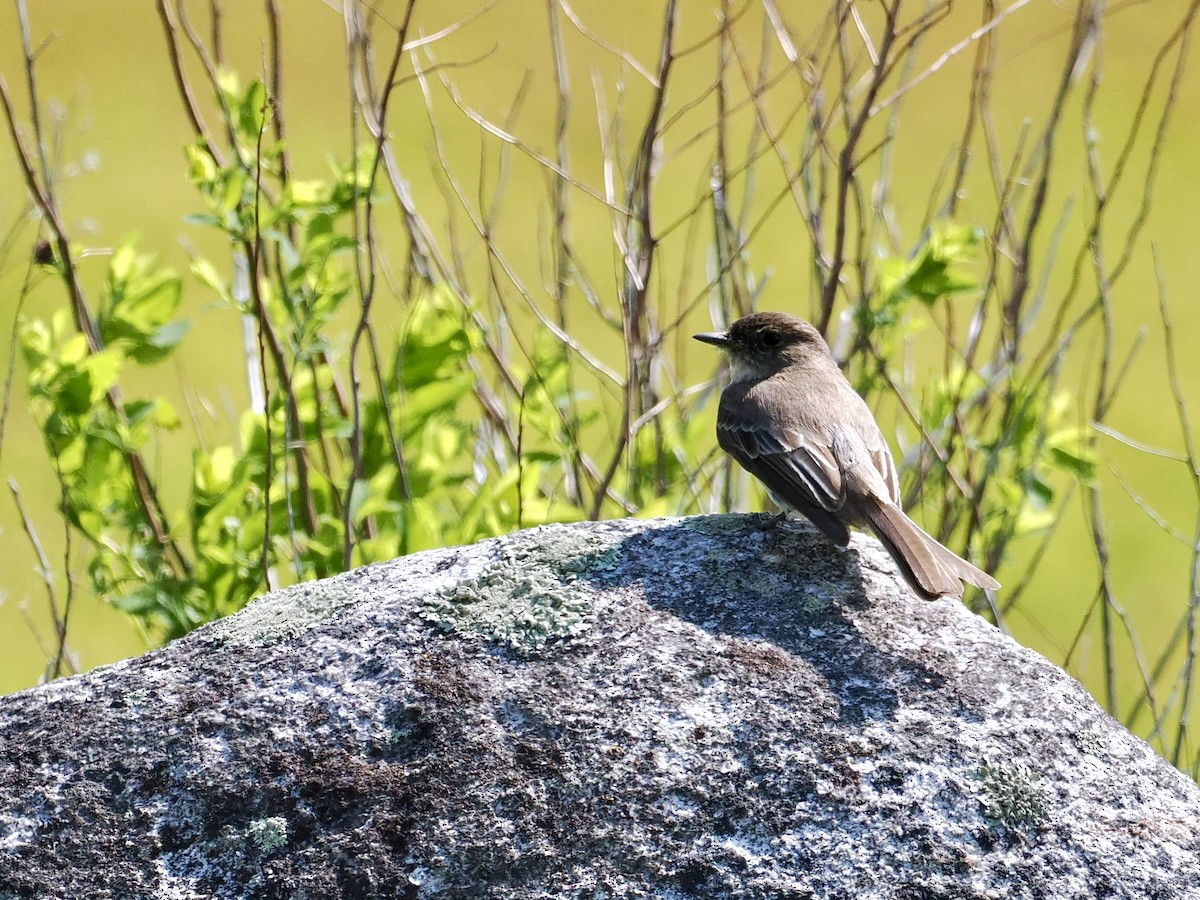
1011	796
285	614
673	708
529	596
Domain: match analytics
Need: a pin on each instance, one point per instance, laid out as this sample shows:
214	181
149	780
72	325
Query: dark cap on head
765	332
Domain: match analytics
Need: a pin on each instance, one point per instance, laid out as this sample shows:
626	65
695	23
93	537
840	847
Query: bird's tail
930	569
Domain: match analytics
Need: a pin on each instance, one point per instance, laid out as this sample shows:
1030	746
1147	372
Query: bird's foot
772	522
773	526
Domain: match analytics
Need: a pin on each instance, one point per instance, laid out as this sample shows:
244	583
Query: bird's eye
770	338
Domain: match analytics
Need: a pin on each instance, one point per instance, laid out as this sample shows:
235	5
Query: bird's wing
881	458
797	467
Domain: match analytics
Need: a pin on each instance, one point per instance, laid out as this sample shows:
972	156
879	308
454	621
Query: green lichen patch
816	599
284	614
268	834
1011	796
132	699
529	596
717	525
566	551
524	611
1090	740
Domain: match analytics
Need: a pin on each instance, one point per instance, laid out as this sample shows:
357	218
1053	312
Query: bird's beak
716	338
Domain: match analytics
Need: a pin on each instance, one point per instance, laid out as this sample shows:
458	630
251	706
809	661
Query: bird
791	419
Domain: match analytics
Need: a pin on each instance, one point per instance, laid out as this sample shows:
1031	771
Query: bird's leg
773	536
774	524
774	521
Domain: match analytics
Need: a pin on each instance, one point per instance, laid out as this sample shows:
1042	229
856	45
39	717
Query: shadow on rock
753	580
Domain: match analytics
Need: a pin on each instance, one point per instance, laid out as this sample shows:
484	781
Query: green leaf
1070	452
213	472
165	415
935	270
137	303
251	111
87	384
207	274
306	193
202	170
422	403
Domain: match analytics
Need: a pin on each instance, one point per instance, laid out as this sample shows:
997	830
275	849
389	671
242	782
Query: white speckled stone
685	708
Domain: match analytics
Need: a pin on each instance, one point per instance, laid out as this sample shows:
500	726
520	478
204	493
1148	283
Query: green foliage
137	307
940	268
91	434
1026	456
318	487
443	442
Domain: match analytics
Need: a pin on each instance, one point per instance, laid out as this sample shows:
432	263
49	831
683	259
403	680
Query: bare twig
1187	675
60	616
364	261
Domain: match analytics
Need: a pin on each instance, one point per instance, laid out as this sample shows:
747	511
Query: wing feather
797	468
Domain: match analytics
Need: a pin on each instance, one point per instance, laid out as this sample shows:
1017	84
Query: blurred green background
108	90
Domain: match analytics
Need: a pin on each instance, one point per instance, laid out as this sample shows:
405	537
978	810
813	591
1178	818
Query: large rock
694	708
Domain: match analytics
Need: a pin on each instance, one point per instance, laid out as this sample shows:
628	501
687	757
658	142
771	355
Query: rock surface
692	708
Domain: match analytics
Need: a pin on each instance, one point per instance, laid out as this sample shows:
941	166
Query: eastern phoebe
792	420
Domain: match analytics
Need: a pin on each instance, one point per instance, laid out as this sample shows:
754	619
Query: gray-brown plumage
792	420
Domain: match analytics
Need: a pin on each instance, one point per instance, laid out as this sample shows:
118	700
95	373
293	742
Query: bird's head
761	344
